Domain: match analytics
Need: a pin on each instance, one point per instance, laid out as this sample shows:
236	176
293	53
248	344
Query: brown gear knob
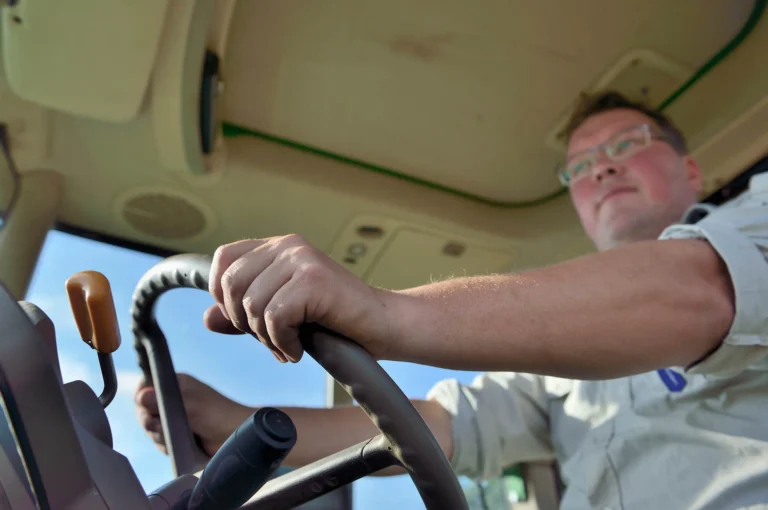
90	297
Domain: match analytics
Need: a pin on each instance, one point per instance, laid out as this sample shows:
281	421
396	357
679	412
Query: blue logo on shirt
672	380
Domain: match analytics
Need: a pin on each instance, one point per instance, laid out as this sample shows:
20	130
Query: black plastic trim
737	185
325	475
120	242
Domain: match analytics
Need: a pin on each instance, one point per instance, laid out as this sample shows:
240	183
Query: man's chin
617	234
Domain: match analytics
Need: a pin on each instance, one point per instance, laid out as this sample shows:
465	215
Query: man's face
635	198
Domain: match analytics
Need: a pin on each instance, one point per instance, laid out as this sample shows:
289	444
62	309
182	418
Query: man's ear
694	174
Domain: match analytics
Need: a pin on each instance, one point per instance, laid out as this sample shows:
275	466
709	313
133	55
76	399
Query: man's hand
212	416
270	287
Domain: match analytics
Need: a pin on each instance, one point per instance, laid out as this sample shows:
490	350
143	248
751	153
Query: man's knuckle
251	307
311	273
291	253
294	239
228	280
220	261
221	252
272	314
255	324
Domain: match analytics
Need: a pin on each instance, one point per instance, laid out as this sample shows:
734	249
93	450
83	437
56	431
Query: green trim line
757	12
232	130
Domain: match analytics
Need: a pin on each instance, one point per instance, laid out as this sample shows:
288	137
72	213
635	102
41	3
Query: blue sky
237	366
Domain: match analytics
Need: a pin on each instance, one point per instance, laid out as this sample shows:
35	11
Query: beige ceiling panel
460	97
90	58
363	87
723	114
29	128
416	257
738	146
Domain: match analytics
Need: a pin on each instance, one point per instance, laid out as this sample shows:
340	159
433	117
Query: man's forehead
602	126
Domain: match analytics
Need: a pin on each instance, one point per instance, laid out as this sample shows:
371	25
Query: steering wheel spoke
325	475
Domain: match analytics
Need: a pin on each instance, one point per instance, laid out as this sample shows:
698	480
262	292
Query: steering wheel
405	439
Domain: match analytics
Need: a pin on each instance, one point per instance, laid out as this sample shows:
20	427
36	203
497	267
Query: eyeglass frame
650	133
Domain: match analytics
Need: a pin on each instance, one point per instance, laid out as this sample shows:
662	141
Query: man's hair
590	105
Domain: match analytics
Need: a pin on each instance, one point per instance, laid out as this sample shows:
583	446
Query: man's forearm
628	310
323	432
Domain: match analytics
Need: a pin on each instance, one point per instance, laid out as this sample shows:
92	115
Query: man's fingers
150	422
223	258
147	398
284	315
157	438
238	278
215	320
159	441
153	428
256	300
268	288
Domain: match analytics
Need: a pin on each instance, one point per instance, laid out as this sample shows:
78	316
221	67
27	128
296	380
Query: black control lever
245	461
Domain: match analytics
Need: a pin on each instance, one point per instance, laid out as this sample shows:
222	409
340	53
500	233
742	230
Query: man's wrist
405	318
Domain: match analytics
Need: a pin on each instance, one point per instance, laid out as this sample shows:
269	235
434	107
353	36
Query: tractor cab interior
410	141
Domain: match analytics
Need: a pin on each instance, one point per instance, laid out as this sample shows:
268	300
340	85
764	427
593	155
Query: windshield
237	366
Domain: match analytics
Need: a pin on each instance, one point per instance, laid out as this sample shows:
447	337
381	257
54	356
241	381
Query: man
650	356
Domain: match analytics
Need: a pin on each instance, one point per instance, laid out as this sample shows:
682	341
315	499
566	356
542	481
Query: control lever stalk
245	461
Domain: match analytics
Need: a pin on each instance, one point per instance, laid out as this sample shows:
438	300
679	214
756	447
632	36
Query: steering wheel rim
413	444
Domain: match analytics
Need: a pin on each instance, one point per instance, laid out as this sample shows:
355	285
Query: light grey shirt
681	438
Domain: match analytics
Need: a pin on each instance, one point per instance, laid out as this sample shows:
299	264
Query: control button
357	250
278	425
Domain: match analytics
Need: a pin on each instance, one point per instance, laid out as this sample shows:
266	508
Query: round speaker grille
164	216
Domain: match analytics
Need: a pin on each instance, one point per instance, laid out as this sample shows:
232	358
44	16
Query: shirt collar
697	212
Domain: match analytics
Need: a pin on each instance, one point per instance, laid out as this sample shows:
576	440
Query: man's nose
605	168
604	172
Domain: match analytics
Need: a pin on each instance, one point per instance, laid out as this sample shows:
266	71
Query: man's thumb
214	320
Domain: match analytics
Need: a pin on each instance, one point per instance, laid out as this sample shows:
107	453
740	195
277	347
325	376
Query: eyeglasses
621	146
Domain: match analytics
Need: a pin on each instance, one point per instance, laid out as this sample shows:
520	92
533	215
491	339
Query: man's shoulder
755	193
758	183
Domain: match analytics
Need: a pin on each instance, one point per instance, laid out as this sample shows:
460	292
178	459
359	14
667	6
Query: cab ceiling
434	122
467	98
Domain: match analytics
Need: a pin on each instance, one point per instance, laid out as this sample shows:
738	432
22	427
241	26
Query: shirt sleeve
499	420
739	234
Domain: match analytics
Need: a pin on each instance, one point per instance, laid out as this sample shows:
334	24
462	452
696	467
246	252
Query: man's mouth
621	190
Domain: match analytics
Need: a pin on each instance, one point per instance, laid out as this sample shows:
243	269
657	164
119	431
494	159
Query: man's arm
498	420
635	308
628	310
323	432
